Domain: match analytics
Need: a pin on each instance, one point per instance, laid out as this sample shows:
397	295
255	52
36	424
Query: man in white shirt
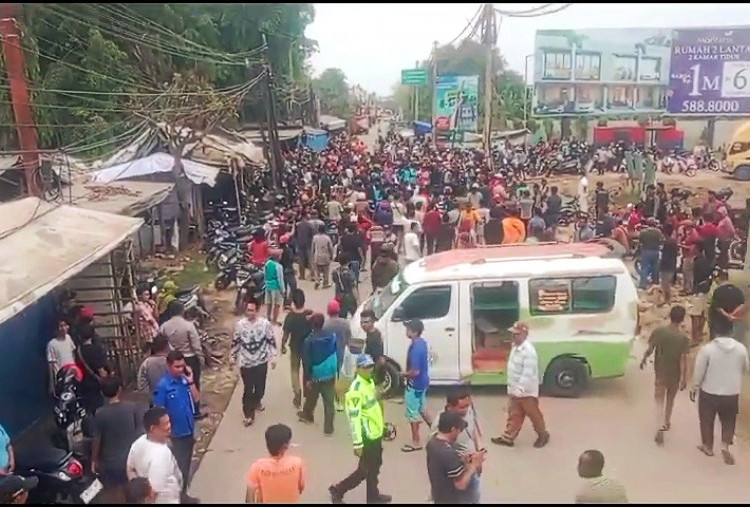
60	351
151	458
719	368
583	194
523	390
412	250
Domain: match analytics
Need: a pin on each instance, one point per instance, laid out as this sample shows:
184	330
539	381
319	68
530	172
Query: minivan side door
436	305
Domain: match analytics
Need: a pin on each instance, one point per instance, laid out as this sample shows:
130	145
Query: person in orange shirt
514	230
280	477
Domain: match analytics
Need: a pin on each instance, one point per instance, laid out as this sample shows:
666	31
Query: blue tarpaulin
315	139
422	128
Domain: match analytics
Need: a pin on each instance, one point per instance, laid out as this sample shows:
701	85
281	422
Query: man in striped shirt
523	390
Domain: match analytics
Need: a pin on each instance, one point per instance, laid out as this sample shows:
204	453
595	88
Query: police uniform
367	425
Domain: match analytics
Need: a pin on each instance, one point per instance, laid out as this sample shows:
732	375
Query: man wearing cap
14	489
523	390
368	426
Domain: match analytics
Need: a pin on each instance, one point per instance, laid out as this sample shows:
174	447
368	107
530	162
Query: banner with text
456	99
710	72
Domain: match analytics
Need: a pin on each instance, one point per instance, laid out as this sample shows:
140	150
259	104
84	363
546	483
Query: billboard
601	72
710	72
456	99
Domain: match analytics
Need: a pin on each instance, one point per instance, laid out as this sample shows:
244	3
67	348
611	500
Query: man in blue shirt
417	381
176	392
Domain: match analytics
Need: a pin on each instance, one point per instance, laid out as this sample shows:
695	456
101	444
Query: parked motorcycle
62	463
253	286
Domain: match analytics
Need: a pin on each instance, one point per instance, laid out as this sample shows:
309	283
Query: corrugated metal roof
42	245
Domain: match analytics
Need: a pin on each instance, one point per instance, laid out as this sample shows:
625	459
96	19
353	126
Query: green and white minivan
581	308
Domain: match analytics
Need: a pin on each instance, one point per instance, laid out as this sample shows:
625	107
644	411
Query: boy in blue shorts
417	381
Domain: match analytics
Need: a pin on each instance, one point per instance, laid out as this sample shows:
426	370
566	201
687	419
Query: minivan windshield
391	292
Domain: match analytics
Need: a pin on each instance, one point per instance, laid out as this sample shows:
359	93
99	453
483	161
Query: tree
333	91
469	59
96	56
188	109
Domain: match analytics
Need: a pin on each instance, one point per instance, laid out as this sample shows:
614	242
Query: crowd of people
349	210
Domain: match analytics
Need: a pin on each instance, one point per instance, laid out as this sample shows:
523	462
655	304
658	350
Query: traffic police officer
366	418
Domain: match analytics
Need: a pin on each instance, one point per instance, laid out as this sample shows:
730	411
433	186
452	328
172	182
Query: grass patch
194	273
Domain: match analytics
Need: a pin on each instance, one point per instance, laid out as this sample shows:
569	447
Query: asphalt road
614	416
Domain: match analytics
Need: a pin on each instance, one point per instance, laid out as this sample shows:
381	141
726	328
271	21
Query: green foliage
549	127
105	60
581	127
469	59
333	91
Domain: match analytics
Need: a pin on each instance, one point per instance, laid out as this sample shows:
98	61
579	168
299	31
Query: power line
534	13
144	39
470	23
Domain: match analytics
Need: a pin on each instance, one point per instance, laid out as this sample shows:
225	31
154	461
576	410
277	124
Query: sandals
410	448
248	421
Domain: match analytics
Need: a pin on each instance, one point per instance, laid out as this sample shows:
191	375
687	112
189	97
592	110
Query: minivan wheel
566	377
391	380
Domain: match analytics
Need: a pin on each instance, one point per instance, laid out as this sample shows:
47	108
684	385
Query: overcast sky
371	43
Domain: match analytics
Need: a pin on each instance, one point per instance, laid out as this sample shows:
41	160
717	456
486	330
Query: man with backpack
344	285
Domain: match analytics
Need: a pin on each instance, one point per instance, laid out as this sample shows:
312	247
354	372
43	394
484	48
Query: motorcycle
61	465
62	477
253	287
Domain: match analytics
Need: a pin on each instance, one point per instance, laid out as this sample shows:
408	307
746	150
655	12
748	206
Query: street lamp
526	87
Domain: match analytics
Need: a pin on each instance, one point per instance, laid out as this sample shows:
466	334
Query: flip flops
410	448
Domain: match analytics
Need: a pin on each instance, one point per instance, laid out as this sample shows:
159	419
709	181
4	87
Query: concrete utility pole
277	160
19	94
416	96
433	83
489	38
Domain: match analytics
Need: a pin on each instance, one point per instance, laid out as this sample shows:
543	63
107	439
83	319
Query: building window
588	66
557	65
624	68
650	68
620	96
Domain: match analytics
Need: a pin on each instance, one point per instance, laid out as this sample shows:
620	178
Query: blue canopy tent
315	139
422	128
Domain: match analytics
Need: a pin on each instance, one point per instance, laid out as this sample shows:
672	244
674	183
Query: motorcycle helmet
390	432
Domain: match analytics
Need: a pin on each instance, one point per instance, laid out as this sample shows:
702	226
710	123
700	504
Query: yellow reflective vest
364	411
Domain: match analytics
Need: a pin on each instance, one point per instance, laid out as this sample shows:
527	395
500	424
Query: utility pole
489	38
273	132
416	96
433	83
19	94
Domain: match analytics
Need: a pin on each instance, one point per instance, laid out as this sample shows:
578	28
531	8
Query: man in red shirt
431	227
690	245
259	250
708	233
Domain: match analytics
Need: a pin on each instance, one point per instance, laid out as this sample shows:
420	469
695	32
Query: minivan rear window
555	296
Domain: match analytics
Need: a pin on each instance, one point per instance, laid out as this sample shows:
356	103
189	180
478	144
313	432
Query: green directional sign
414	77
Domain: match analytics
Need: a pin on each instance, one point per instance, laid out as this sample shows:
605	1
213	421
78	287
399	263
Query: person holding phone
469	440
450	473
177	393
